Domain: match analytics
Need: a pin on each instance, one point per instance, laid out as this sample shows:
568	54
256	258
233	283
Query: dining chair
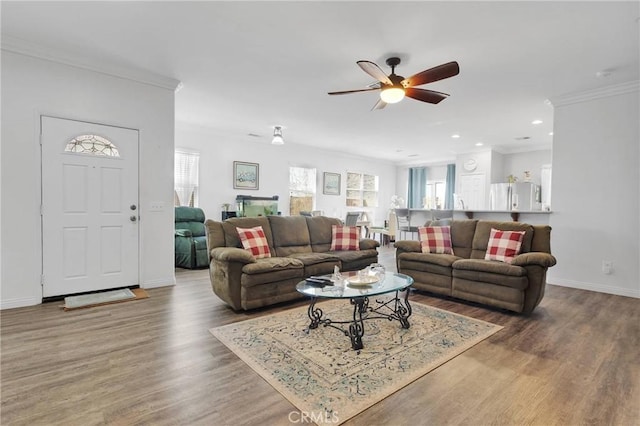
352	218
403	222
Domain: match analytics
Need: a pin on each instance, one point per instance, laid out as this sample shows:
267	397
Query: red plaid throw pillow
345	238
435	239
504	245
254	240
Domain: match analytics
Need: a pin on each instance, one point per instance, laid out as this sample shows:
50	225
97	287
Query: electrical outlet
607	266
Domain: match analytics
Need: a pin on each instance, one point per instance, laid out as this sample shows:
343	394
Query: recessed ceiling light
455	136
536	122
479	144
550	133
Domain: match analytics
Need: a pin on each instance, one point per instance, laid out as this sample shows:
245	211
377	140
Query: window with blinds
302	190
186	178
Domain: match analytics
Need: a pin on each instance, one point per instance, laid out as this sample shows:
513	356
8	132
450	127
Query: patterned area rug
325	378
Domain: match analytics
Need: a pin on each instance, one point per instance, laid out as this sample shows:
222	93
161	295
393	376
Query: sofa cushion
274	264
320	232
462	232
290	235
315	258
504	245
435	239
231	237
490	271
254	240
317	263
483	231
345	238
445	260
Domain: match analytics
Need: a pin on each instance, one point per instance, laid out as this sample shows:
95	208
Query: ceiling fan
393	88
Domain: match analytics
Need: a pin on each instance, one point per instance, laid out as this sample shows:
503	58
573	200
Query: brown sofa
518	286
299	246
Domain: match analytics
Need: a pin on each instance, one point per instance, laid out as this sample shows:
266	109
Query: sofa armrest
368	244
534	258
232	254
408	245
183	233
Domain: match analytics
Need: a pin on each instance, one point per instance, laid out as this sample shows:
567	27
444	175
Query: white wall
596	190
516	164
31	87
218	152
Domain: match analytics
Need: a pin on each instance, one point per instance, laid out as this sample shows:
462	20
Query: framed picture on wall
331	183
246	175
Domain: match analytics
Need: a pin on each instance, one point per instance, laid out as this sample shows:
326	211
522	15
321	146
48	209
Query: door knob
133	207
133	218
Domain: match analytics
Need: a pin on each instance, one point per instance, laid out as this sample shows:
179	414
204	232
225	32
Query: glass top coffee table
358	290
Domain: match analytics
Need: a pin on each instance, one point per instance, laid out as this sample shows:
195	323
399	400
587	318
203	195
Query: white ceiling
247	66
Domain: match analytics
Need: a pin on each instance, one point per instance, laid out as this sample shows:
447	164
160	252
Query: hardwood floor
574	361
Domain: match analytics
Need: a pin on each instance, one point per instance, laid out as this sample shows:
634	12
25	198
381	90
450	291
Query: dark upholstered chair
190	240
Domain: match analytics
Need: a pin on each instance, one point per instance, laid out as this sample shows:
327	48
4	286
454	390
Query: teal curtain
417	187
450	187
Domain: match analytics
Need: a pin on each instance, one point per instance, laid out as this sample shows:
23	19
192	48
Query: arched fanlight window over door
92	145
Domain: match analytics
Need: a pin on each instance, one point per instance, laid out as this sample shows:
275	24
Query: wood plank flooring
574	361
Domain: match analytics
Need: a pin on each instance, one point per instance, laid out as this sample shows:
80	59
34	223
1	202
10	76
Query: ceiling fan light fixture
277	136
392	94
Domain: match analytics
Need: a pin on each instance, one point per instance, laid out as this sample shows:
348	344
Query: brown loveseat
518	286
299	246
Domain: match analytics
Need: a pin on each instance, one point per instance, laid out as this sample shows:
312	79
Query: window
185	178
362	190
436	192
92	145
302	190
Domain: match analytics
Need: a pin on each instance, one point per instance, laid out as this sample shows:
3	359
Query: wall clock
470	165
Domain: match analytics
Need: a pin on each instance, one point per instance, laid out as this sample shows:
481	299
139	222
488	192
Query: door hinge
41	209
42	280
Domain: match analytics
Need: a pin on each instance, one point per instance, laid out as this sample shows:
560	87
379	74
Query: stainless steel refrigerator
523	196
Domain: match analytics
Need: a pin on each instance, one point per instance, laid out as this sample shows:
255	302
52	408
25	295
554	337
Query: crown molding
590	95
47	53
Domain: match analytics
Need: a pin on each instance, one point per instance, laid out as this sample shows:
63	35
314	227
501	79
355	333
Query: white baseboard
159	282
20	302
618	291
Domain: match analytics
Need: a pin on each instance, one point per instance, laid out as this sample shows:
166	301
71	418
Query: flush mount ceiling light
277	136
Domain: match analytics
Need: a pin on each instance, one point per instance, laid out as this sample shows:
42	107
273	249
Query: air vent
253	135
523	138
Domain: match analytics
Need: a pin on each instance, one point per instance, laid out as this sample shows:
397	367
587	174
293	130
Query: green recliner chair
191	242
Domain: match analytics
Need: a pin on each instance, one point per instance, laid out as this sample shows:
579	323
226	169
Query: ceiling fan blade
424	95
344	92
432	74
379	105
374	71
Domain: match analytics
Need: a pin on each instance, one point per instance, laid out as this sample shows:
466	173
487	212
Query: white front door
89	206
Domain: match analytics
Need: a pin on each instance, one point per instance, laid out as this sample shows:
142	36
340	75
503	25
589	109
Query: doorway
90	235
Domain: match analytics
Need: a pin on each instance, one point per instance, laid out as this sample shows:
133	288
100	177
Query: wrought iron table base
398	309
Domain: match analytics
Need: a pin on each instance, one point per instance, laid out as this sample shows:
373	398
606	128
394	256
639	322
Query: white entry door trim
90	208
